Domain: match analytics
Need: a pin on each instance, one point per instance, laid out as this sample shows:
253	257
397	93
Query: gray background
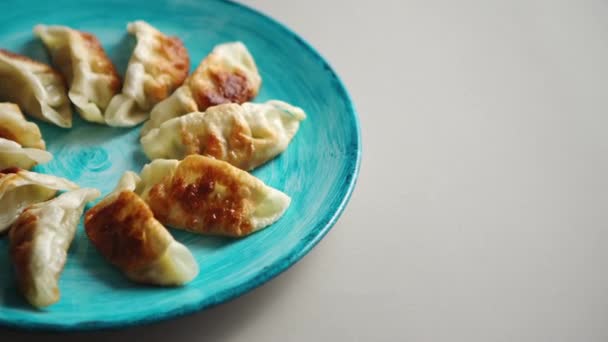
481	211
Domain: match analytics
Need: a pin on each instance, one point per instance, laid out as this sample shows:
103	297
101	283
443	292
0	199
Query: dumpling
125	232
20	189
39	242
13	155
35	87
208	196
159	64
13	126
246	135
227	74
85	66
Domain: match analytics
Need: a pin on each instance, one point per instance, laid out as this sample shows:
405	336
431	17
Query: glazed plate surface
318	170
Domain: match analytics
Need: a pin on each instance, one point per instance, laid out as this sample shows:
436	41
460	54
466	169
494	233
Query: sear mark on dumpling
159	64
246	135
123	229
119	236
209	196
227	75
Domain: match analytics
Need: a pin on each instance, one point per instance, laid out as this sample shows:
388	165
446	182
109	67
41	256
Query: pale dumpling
39	242
90	74
246	135
123	229
14	155
159	64
35	87
208	196
20	189
13	126
228	74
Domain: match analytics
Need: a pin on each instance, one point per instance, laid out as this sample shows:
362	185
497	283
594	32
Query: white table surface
481	211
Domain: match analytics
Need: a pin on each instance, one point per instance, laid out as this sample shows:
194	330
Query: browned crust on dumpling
238	149
123	233
101	63
9	170
173	63
227	87
7	134
201	208
21	237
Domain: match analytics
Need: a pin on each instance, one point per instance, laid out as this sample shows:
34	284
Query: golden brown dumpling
35	87
39	242
209	196
159	64
87	69
125	232
246	135
227	75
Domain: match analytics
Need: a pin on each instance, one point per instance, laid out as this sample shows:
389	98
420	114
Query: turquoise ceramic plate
318	170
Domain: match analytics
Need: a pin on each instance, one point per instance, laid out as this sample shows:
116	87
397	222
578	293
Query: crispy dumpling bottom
125	232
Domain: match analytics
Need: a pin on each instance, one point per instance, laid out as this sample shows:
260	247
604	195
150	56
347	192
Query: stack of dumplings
201	133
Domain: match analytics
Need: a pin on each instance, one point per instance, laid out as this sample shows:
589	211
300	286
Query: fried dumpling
90	74
123	229
13	155
208	196
246	135
159	64
39	242
35	87
228	74
20	189
13	126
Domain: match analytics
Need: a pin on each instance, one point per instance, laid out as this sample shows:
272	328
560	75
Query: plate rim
272	270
